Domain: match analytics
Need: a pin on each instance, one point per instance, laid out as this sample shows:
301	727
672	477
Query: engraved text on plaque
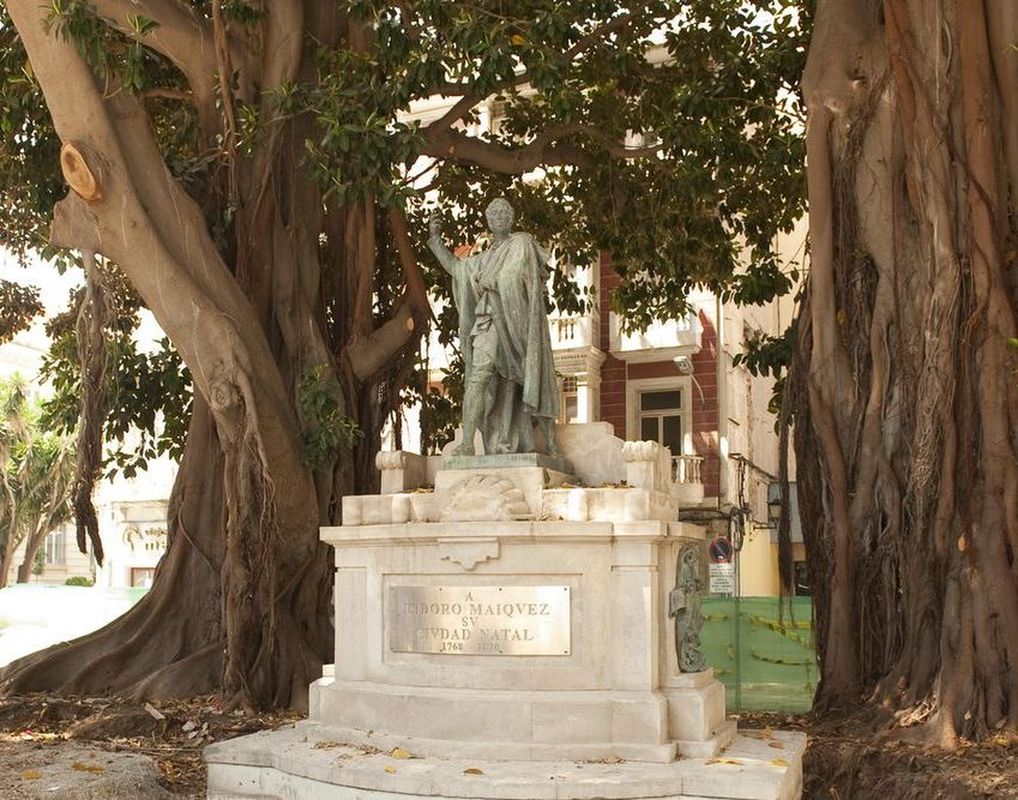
480	620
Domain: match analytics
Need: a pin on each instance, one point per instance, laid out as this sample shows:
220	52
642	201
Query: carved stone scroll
685	607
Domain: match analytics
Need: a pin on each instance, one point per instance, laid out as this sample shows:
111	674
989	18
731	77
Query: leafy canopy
36	469
665	133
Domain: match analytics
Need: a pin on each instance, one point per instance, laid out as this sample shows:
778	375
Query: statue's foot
464	449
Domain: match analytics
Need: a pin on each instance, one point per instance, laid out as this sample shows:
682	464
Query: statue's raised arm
442	253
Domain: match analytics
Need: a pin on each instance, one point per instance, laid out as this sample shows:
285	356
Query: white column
583	399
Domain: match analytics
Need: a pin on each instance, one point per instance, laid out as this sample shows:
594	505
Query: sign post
721	570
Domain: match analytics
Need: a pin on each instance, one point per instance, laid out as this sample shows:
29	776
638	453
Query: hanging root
95	313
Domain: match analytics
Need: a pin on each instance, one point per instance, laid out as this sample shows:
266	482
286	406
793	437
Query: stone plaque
480	620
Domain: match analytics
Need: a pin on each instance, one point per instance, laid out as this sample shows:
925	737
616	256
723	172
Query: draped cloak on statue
506	283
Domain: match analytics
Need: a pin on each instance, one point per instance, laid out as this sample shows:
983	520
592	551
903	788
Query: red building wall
613	371
704	402
705	406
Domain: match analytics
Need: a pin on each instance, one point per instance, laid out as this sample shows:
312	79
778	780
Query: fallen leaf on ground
31	775
778	762
732	761
82	767
777	745
390	770
473	771
154	712
401	752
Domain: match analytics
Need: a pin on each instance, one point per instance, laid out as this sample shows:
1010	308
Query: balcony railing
565	329
573	331
661	341
686	469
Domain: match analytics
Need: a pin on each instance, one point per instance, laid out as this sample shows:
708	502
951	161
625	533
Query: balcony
686	469
573	332
687	484
662	341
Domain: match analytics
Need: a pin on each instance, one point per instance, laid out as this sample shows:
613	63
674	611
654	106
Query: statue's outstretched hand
434	227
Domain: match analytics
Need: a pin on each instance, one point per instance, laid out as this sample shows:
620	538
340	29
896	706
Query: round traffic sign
720	550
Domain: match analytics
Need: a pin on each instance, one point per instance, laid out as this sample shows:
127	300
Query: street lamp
774	510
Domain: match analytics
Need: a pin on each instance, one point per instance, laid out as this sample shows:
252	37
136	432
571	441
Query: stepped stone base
303	762
513	635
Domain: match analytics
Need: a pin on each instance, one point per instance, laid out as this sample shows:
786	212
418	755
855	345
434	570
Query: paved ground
76	771
33	616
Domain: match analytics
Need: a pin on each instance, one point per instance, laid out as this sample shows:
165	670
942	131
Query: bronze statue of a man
500	295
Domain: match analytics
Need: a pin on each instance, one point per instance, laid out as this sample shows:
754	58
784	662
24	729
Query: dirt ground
842	764
99	748
88	747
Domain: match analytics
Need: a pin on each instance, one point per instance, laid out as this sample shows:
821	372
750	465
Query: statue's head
500	215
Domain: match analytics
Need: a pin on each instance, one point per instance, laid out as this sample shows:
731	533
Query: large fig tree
905	385
257	174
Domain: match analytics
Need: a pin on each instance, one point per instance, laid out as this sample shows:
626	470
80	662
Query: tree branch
157	235
181	36
542	151
471	99
600	32
369	354
416	288
166	93
283	42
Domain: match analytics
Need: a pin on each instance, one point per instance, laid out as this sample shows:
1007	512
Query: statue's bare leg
504	440
474	397
478	380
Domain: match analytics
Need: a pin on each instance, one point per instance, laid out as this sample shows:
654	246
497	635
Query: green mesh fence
765	660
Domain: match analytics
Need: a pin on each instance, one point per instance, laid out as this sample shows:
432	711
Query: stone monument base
516	632
506	460
306	762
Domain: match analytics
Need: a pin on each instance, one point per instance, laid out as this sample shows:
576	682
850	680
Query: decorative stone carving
485	498
401	471
685	606
468	553
648	465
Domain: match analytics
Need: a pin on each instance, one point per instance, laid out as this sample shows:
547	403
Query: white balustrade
686	469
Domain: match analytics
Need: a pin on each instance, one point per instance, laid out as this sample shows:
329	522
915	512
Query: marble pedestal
512	634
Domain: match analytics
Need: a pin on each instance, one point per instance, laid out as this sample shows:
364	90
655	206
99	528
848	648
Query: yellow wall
758	564
758	570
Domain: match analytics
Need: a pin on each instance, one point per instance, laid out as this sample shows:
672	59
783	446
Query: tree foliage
37	465
272	166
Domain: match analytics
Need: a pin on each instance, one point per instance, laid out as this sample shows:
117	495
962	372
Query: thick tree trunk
25	567
171	643
241	601
904	386
6	562
32	545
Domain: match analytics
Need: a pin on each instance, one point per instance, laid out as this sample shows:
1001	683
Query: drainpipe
723	498
722	383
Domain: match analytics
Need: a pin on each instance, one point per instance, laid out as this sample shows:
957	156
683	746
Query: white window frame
56	548
564	394
635	386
